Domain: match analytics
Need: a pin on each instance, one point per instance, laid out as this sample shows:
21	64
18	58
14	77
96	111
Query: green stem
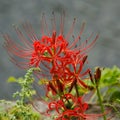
101	103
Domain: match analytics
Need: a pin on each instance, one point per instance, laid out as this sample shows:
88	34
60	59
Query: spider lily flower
68	107
52	48
73	72
53	53
71	107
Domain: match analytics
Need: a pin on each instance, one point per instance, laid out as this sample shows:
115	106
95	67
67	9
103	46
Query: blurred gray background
101	16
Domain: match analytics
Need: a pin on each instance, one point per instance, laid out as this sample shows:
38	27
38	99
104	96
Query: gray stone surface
101	16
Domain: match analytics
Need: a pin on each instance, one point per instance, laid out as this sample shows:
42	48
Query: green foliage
26	91
11	79
110	77
110	84
21	111
115	95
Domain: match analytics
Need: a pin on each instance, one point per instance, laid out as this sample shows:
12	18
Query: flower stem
76	88
101	103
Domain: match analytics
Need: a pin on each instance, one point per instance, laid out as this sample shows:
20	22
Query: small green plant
19	112
110	83
107	89
26	91
22	111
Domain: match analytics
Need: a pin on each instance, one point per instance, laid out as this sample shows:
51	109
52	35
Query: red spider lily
52	53
51	48
69	107
69	71
73	71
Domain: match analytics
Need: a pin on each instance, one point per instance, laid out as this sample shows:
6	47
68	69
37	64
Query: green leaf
115	96
11	79
110	76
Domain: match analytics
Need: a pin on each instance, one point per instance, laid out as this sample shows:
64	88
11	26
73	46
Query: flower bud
91	77
60	86
97	75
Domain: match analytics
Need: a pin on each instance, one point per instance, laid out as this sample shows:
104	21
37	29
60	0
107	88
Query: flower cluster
63	106
61	62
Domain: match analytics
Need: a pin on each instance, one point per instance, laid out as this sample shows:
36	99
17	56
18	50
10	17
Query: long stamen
79	36
28	31
42	25
22	38
53	22
62	20
71	30
45	23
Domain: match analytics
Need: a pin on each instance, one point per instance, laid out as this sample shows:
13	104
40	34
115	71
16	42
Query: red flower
71	107
50	49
